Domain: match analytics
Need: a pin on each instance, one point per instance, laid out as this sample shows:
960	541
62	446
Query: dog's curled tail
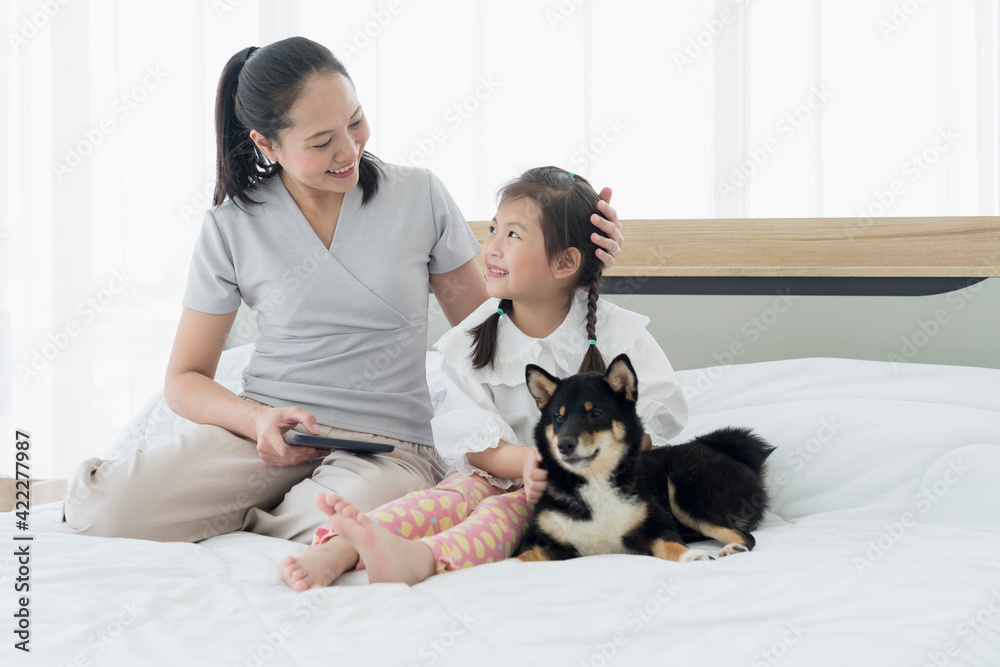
740	444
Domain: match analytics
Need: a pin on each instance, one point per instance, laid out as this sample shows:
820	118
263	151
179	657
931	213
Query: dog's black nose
566	446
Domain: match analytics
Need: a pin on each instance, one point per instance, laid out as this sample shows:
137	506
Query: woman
334	251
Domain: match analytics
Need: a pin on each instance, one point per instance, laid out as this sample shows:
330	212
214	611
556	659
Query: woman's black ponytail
257	90
238	162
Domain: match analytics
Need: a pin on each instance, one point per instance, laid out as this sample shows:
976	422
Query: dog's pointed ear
620	376
540	384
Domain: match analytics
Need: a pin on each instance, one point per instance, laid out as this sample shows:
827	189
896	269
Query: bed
880	548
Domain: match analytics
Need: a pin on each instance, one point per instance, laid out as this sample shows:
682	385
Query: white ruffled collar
617	329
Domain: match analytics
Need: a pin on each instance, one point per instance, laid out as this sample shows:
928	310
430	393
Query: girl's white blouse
482	407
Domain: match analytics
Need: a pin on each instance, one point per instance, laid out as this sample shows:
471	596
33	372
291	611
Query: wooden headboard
843	256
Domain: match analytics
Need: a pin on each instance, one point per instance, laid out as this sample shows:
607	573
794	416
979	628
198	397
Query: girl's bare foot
387	557
319	565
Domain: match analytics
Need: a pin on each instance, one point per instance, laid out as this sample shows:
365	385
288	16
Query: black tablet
316	441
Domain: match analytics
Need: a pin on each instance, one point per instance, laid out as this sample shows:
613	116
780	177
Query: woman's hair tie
592	342
500	312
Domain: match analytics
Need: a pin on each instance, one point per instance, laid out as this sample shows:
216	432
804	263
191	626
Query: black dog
605	495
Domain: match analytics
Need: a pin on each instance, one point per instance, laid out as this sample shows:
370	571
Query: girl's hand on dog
535	479
272	424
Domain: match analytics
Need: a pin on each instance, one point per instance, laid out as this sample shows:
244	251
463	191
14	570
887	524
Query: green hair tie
592	342
500	312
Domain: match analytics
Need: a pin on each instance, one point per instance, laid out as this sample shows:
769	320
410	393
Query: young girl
544	278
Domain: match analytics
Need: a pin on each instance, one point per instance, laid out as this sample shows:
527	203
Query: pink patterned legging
464	520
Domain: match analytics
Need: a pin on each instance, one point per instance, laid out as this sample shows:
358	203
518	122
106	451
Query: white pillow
156	423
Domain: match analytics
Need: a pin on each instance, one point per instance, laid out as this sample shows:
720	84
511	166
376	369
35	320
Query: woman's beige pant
210	481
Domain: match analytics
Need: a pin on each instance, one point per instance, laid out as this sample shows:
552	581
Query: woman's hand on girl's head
271	446
609	247
535	479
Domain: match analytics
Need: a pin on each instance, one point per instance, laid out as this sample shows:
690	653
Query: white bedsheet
881	548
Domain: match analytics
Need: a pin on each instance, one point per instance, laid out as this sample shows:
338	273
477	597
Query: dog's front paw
534	554
731	549
694	554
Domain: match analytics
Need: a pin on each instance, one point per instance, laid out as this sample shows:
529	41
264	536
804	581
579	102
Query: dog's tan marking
562	411
612	517
677	552
727	536
618	431
679	513
668	550
588	406
534	554
550	437
610	448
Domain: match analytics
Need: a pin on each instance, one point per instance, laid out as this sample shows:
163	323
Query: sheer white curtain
825	108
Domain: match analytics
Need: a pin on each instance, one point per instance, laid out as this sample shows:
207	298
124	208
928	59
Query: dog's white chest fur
612	517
